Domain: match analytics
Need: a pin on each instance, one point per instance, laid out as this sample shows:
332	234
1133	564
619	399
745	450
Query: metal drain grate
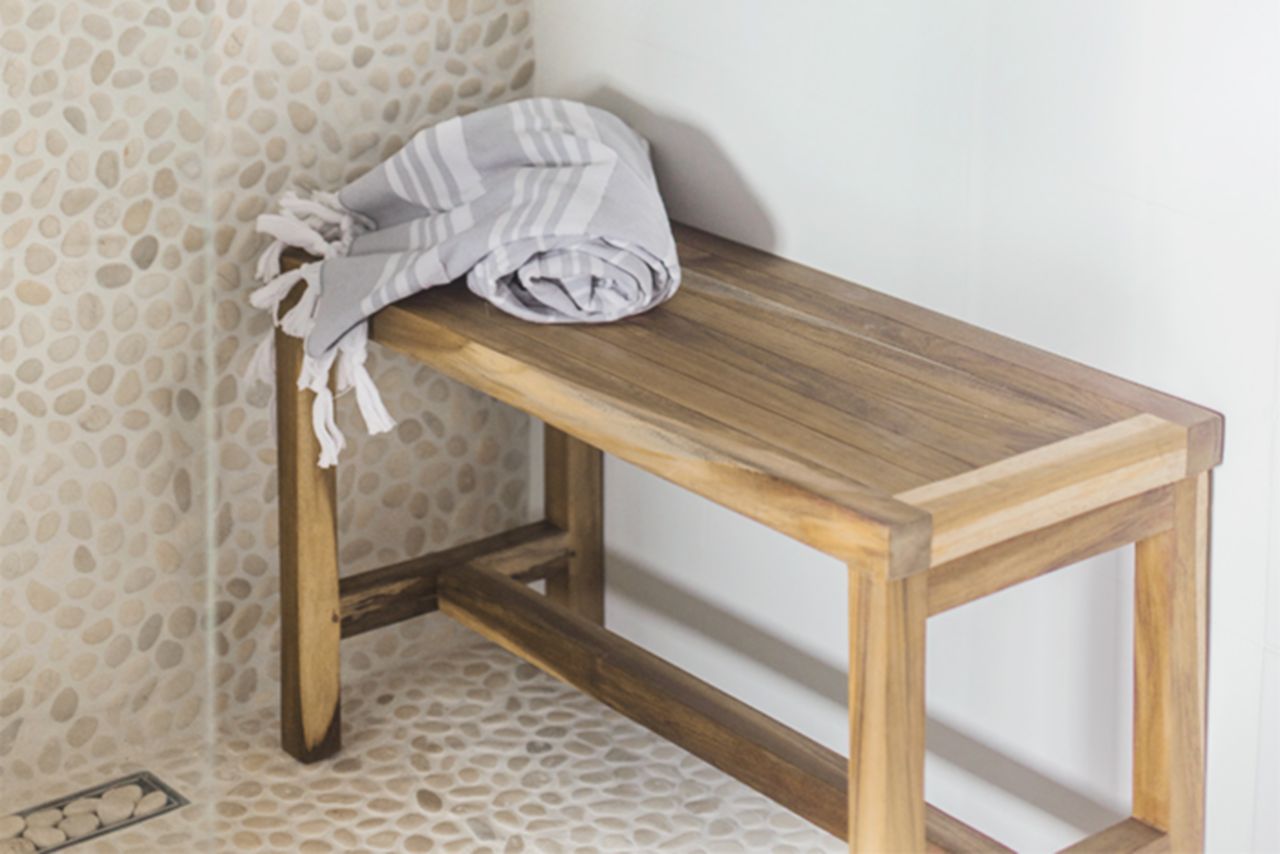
117	804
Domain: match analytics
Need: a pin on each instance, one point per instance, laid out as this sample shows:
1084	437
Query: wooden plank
950	834
927	387
1170	670
786	383
1126	837
886	712
894	323
598	364
1027	369
1045	486
777	761
310	632
922	370
574	501
827	511
674	392
1188	663
403	590
1035	553
1152	611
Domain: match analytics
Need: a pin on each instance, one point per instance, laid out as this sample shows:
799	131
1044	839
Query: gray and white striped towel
548	207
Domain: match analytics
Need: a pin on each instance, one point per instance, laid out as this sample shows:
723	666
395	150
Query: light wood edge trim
608	667
1205	443
860	526
1045	550
1050	484
1125	837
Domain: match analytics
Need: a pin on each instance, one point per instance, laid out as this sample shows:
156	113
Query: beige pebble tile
44	837
150	803
142	144
44	818
481	789
11	826
131	793
79	825
80	806
114	810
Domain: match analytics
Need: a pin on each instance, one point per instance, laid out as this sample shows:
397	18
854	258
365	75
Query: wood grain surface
574	501
389	594
821	408
310	632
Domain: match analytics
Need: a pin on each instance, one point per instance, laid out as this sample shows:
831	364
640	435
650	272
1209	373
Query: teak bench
940	462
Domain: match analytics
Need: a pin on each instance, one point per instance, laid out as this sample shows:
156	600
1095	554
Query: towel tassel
315	377
262	365
274	291
322	226
292	231
353	351
299	320
268	266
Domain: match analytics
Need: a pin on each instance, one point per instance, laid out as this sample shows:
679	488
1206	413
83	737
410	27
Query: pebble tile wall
473	752
138	141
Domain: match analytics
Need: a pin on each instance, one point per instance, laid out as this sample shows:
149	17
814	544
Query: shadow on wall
944	741
688	162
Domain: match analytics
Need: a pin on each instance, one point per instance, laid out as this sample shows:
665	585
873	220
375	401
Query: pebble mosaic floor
473	752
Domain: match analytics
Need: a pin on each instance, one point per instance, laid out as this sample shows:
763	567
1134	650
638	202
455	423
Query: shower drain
87	814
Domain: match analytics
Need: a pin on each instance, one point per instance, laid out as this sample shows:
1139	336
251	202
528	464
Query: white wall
1101	179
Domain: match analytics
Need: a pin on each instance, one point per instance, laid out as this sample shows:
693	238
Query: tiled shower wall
138	142
103	404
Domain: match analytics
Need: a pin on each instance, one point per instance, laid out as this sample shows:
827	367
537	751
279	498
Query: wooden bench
940	462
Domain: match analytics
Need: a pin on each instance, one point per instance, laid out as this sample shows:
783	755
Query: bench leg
886	713
310	623
575	503
1170	671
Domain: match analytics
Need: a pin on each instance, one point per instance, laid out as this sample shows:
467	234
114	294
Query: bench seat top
870	428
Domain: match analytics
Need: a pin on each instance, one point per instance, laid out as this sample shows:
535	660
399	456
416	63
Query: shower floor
475	751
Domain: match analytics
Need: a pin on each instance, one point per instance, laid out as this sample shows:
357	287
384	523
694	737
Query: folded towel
548	207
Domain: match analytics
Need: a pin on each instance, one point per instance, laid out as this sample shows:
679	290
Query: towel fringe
270	295
268	266
315	377
353	351
321	225
300	320
290	230
262	365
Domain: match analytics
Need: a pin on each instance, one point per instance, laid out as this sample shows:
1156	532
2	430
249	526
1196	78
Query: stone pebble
80	806
44	818
114	810
131	793
151	803
11	826
17	846
79	825
45	837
